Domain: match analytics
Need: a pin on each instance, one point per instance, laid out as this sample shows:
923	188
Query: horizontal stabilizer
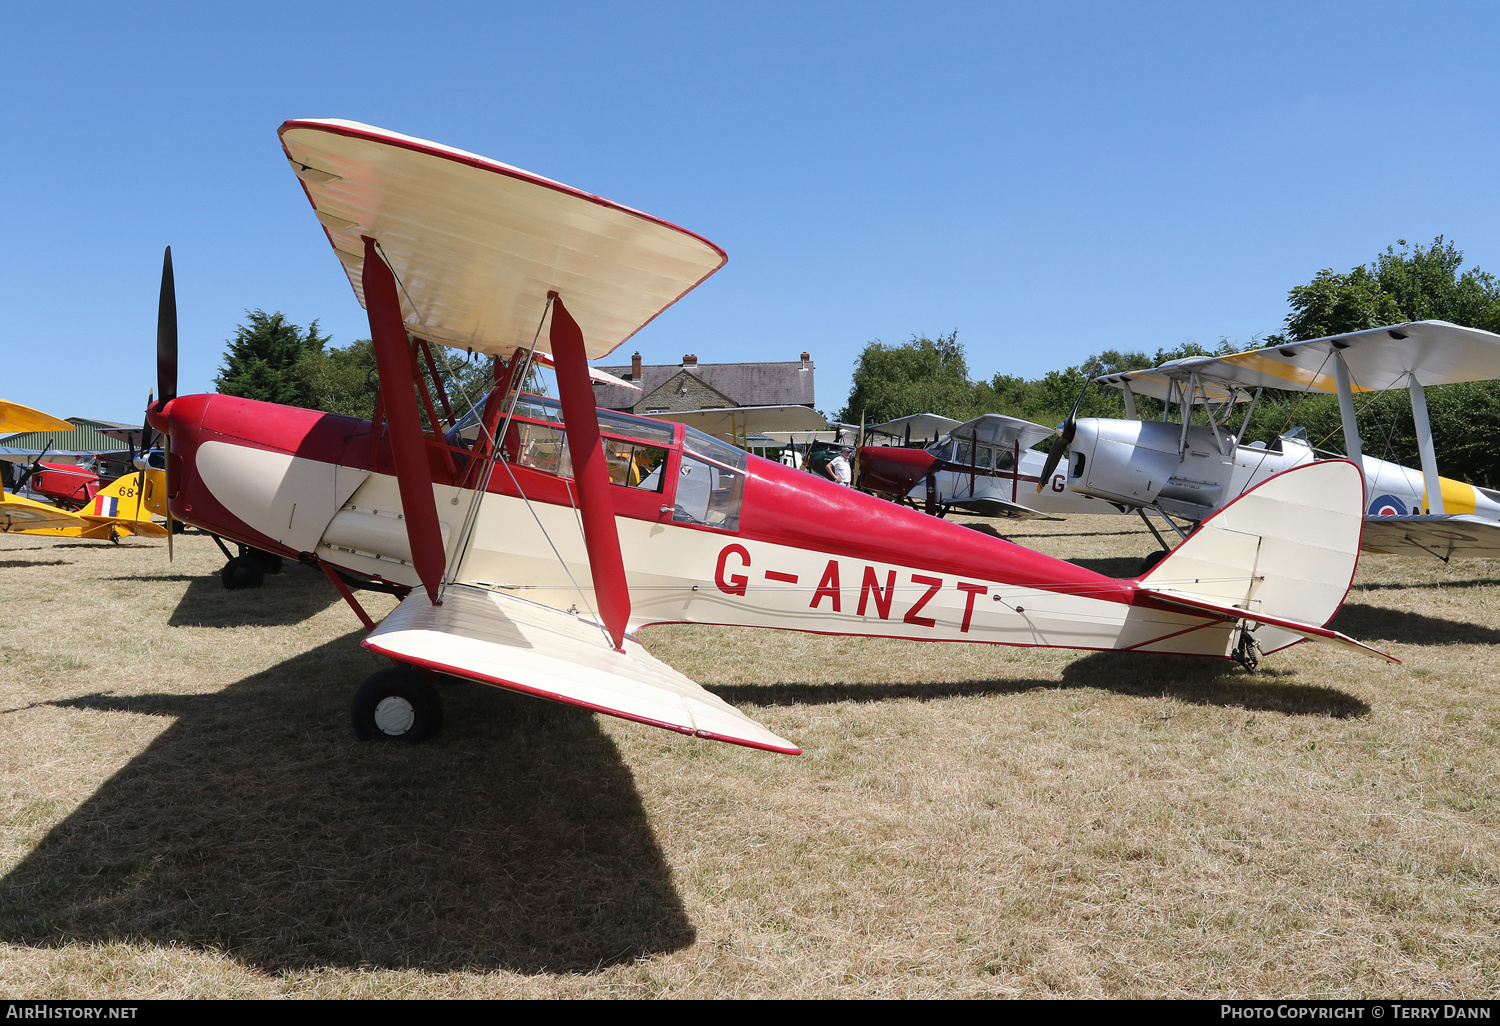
1463	535
537	650
125	525
1195	604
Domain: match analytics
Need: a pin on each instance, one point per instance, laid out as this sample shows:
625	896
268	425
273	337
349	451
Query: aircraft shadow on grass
16	564
104	545
289	597
257	826
1479	582
1374	624
155	578
1186	678
1112	566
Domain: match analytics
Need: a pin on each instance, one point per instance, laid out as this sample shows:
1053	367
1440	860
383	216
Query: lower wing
1462	535
23	516
513	643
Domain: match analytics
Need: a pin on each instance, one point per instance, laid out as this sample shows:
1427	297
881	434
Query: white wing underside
477	244
1461	535
537	650
1432	352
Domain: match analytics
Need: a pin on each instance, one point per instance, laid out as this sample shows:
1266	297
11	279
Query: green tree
1333	303
342	380
1415	284
264	358
921	375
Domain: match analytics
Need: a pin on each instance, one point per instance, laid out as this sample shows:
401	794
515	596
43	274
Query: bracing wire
471	517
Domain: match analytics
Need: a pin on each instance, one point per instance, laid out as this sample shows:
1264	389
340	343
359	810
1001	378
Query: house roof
86	436
786	383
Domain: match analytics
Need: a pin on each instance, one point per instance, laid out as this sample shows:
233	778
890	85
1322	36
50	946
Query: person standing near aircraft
838	468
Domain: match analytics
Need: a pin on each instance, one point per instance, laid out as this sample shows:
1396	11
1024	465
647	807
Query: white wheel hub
394	715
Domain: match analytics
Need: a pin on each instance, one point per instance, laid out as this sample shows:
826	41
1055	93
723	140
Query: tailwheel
1246	651
396	704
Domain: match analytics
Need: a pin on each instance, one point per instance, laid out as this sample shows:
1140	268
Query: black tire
396	704
242	572
1151	560
270	562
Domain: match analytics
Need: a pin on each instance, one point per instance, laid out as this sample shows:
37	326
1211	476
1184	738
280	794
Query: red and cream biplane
536	535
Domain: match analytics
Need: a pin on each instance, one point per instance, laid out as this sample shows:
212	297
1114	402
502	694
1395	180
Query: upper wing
1000	430
476	245
1434	352
920	425
15	455
537	650
15	418
748	420
1463	535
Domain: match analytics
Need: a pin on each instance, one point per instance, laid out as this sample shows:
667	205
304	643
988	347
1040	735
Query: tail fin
126	505
1281	555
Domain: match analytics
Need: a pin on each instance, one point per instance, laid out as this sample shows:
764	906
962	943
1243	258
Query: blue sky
1051	179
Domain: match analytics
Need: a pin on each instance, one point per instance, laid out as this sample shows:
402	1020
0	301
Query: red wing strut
590	473
393	361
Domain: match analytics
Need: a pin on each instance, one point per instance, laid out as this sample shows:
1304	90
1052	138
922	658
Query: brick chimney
690	360
635	366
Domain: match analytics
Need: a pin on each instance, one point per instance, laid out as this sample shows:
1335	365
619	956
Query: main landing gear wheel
396	704
249	568
242	572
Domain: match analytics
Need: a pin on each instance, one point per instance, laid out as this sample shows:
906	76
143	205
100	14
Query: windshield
549	411
710	482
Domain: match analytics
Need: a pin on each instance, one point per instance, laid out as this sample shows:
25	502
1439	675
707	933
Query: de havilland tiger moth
534	537
1183	469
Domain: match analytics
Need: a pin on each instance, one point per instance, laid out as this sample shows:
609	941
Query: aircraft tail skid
1280	557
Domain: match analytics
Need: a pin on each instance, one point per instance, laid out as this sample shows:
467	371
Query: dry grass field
184	811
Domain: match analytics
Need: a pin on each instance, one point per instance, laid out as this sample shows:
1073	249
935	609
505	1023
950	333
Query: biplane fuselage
1194	473
756	544
69	485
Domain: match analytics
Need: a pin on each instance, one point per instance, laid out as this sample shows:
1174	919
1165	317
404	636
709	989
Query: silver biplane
1178	468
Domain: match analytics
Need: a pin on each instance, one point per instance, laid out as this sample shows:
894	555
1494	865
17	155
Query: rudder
1287	547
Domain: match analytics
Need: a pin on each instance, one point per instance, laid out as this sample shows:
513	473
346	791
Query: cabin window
985	453
632	465
1004	459
965	452
542	447
710	483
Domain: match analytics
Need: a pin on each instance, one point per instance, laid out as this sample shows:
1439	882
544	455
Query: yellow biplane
123	507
